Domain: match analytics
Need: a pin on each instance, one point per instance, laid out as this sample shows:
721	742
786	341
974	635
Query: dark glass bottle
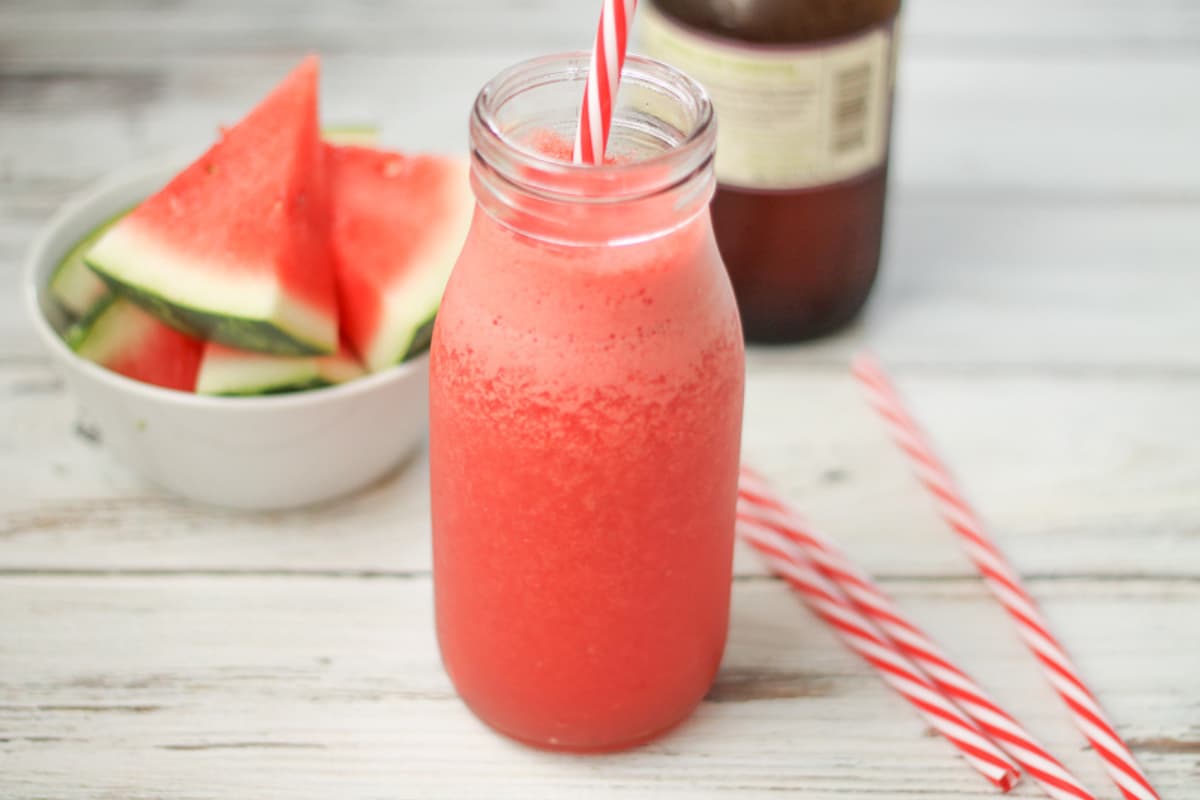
803	92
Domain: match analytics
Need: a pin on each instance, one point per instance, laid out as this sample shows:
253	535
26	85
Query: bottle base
554	746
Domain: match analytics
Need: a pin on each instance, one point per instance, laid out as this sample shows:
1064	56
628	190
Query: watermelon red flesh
235	248
398	223
128	340
226	371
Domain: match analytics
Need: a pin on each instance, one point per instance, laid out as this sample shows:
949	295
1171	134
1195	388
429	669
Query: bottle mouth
523	129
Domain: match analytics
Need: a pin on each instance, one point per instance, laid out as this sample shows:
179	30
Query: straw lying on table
760	506
828	602
1004	583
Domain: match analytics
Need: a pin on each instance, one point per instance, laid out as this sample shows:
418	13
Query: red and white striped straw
604	76
1004	583
828	602
759	504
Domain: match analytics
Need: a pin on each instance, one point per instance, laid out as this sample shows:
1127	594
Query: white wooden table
1040	305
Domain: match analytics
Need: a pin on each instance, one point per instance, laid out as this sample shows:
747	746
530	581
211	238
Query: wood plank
999	283
169	106
970	28
1008	213
71	30
1036	304
995	123
1070	127
1005	283
305	687
1079	474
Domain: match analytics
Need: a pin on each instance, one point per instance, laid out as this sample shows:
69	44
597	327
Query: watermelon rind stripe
78	332
411	304
72	285
408	323
421	340
111	330
279	388
247	313
257	376
76	288
250	374
247	334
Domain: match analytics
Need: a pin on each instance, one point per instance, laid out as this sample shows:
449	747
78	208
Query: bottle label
787	117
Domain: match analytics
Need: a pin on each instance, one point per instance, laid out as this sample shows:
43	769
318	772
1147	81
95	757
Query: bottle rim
524	168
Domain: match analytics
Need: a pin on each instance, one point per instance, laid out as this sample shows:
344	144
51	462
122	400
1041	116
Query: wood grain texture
989	283
306	687
67	31
1101	493
1062	176
962	124
1037	304
1012	209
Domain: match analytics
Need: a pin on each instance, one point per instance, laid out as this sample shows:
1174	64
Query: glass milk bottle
586	411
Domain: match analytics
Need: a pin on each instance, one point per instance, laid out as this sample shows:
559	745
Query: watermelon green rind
75	287
72	285
104	332
252	314
408	316
421	340
261	377
239	373
410	304
280	388
76	334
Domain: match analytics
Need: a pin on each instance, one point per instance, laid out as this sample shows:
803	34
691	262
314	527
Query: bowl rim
81	205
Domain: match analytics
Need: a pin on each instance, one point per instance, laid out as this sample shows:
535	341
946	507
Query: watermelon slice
398	223
126	339
225	371
76	288
235	248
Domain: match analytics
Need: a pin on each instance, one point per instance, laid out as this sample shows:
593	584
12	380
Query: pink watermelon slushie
586	403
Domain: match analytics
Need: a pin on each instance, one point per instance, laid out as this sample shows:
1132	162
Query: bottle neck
658	175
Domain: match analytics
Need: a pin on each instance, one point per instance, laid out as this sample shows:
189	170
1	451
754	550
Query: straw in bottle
604	77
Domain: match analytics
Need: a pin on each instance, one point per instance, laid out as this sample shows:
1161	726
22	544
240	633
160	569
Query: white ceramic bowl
270	452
